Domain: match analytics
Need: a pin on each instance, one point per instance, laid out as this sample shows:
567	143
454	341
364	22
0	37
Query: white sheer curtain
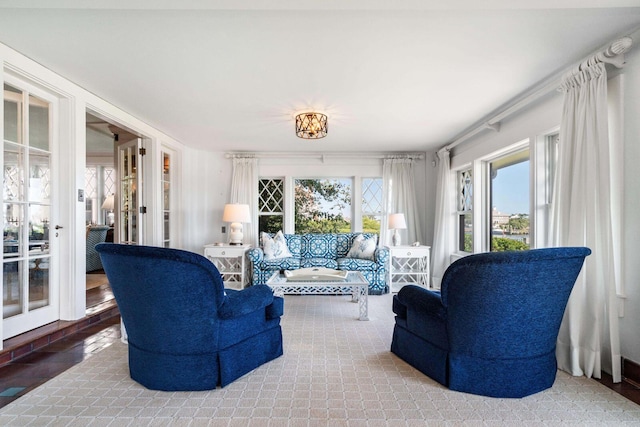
443	245
581	216
399	196
244	189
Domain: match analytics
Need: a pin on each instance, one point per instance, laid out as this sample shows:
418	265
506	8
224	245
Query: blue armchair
492	329
185	331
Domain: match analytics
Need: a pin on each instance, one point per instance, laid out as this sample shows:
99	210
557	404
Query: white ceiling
407	75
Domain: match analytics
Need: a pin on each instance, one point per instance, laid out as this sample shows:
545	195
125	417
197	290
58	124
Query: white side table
230	260
408	265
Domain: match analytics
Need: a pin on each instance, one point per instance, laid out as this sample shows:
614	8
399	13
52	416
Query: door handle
58	227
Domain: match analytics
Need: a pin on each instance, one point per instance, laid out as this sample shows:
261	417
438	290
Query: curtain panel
582	216
399	196
444	232
244	189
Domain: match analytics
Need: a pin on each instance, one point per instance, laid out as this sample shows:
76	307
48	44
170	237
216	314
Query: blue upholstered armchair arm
246	301
419	299
381	255
255	255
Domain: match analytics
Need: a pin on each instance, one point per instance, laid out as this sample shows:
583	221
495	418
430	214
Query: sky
511	189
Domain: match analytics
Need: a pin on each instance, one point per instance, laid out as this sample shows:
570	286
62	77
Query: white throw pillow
363	248
275	247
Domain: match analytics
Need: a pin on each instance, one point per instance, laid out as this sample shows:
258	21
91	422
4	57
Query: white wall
543	117
206	187
537	119
207	178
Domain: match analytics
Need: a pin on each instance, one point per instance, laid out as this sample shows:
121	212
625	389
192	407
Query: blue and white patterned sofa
323	250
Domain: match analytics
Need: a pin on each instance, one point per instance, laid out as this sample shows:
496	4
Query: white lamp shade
108	203
236	212
397	221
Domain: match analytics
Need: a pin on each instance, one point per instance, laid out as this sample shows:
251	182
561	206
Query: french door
30	296
130	207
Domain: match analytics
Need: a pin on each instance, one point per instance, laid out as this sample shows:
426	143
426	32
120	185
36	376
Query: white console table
409	265
231	261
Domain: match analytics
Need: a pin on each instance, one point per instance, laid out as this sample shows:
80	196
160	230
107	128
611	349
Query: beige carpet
336	371
96	280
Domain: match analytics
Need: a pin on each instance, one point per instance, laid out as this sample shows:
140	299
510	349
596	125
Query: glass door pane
166	199
27	202
14	252
130	177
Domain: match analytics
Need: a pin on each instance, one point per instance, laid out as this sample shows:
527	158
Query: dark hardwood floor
32	358
628	389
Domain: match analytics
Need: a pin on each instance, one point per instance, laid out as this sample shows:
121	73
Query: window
371	205
509	202
90	192
270	205
465	211
322	205
99	182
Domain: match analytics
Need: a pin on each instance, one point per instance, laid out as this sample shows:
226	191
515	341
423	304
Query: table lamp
396	222
236	214
108	206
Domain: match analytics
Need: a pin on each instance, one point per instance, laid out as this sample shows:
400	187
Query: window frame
364	212
463	211
289	195
352	209
481	197
510	151
283	211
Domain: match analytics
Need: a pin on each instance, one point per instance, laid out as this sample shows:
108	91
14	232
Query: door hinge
142	151
143	209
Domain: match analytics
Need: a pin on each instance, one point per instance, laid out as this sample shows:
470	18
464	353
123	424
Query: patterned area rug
336	371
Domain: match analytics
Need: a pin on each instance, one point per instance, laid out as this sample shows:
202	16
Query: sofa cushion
355	264
363	248
294	243
274	247
280	264
319	246
318	262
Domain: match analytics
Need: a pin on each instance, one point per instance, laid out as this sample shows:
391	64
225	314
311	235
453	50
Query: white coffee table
354	284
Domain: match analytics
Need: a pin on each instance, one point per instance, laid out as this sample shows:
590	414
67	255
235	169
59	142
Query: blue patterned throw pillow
363	248
275	247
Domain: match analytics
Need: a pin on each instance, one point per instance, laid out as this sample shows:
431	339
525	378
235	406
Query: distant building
499	218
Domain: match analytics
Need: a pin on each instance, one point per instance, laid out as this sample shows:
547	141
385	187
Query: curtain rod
323	156
612	54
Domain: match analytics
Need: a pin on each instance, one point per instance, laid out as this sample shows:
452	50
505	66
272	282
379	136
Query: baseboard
631	371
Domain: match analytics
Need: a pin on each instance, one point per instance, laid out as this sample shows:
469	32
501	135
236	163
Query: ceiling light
311	125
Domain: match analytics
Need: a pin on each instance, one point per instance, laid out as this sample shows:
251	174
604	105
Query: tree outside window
322	205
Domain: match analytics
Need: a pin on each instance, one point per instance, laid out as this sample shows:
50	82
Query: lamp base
395	239
235	237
